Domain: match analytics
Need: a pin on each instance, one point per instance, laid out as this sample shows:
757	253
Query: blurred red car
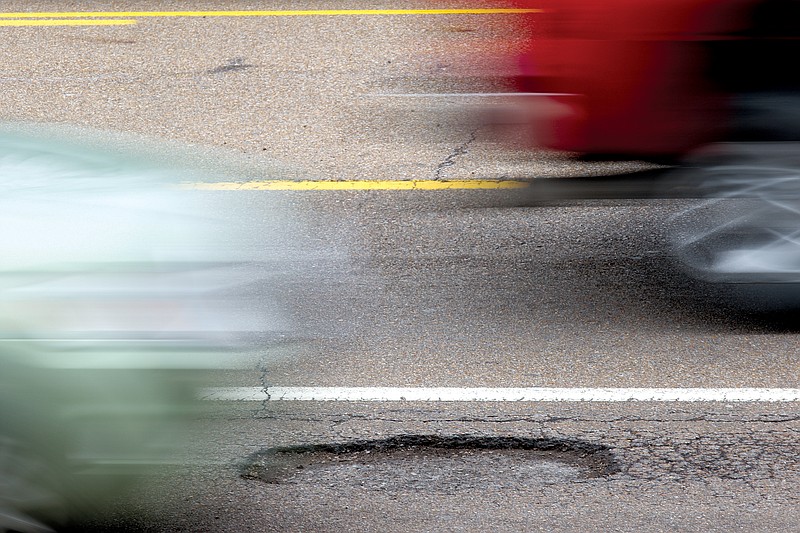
707	85
644	78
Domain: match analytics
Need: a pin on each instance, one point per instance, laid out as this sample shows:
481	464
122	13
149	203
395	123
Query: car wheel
745	232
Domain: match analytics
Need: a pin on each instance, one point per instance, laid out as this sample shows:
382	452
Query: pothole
413	462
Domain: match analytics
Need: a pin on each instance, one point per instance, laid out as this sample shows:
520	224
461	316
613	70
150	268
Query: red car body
647	77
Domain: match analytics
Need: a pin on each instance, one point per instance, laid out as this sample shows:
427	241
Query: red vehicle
709	85
645	78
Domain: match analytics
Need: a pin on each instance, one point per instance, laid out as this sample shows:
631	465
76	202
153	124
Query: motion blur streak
702	85
667	77
118	294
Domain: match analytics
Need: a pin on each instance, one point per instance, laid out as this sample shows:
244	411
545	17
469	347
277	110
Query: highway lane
426	289
461	303
313	91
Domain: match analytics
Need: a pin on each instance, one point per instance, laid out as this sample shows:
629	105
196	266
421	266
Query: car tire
744	234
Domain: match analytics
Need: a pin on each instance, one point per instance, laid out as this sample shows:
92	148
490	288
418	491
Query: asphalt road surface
423	289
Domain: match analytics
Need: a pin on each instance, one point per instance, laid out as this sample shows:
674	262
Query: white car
115	301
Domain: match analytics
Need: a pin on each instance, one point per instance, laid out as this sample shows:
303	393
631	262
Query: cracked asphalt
452	159
444	288
722	468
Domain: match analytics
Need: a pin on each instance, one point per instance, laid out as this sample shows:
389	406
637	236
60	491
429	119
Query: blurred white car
115	300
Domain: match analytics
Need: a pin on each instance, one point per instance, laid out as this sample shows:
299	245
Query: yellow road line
116	22
300	13
360	185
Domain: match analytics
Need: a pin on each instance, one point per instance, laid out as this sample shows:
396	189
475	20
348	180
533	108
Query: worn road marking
362	185
79	22
272	13
446	394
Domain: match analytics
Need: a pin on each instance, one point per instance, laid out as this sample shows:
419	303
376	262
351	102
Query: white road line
447	394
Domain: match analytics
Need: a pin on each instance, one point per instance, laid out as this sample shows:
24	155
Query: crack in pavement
450	160
746	457
231	65
262	379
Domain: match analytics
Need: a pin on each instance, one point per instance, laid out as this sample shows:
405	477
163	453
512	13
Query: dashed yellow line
78	22
278	13
358	185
